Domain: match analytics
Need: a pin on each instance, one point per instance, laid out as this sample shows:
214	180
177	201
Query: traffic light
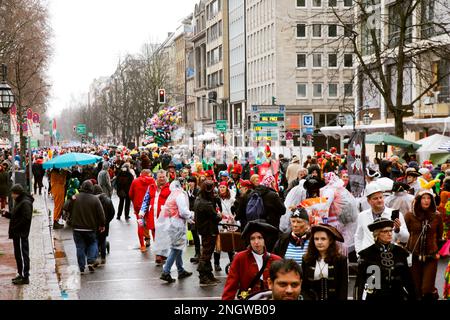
274	101
162	96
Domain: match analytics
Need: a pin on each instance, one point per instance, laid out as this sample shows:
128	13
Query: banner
356	163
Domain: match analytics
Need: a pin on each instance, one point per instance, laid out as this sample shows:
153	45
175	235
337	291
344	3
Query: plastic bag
295	196
400	201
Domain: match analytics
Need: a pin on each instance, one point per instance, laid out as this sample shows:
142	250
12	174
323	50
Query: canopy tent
384	138
439	158
432	145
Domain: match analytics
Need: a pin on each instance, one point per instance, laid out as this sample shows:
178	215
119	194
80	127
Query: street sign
258	126
90	135
221	125
289	135
271	117
81	128
308	120
308	130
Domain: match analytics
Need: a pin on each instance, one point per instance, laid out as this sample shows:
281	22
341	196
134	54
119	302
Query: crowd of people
303	231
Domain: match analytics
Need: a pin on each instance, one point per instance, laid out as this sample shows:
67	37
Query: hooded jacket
87	212
138	189
430	221
20	223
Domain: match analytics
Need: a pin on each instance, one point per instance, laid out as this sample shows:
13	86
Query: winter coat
206	218
138	189
87	212
38	170
123	182
292	171
242	271
104	181
108	209
273	205
22	213
5	183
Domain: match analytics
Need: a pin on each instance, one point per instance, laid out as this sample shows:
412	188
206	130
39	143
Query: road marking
119	280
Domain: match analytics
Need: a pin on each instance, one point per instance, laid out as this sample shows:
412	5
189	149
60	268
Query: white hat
423	171
372	188
385	184
295	159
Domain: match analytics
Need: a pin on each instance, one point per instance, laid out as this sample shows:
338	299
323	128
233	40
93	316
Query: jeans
127	202
22	255
86	243
175	255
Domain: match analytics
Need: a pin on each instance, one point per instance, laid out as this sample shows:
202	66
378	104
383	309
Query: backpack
255	207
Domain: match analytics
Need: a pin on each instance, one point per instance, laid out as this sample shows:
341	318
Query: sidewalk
43	277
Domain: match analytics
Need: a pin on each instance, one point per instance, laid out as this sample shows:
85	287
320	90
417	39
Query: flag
145	202
356	163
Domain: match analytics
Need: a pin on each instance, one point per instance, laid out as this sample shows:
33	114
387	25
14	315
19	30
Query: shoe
16	279
158	260
213	279
147	242
207	282
143	249
57	225
167	277
184	274
217	267
96	264
103	261
127	218
194	260
118	218
22	280
91	267
82	271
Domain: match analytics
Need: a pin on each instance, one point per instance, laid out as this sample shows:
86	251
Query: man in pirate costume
383	273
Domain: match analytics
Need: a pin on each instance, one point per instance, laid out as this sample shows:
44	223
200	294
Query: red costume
162	197
242	271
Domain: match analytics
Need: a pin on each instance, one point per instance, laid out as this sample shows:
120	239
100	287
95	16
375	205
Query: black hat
17	188
326	227
300	213
400	186
260	226
313	183
380	223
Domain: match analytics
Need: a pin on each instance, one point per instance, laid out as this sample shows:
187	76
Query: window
348	90
332	30
317	30
317	60
348	30
332	60
301	90
301	60
348	3
301	3
332	3
348	60
301	31
317	90
332	90
316	3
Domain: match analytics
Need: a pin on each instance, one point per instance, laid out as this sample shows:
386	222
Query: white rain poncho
343	209
400	201
293	199
170	227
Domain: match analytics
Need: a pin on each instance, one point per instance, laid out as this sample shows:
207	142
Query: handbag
244	294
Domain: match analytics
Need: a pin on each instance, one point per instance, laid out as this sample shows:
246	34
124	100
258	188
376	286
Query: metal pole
30	161
301	138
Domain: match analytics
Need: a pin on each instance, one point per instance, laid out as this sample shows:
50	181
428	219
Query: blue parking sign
308	120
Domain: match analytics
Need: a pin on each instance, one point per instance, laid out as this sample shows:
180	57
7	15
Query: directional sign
308	120
81	128
271	117
308	130
221	125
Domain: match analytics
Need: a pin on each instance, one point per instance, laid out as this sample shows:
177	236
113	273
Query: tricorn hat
326	227
380	223
260	226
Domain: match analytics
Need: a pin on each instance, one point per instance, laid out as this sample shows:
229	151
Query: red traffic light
161	96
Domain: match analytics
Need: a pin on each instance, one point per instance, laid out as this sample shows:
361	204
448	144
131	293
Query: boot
195	259
217	261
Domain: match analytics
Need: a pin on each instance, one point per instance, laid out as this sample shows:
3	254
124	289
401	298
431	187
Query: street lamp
6	94
367	120
341	121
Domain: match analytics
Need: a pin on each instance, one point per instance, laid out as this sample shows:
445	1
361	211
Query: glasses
387	231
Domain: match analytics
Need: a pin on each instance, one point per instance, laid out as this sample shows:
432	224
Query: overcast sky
91	35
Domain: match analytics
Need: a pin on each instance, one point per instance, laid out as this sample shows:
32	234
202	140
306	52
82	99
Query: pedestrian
87	218
38	174
176	210
159	193
325	271
108	209
249	271
294	243
58	179
383	273
301	175
19	230
425	227
138	190
193	191
240	203
285	282
5	185
104	179
292	169
363	236
124	179
206	220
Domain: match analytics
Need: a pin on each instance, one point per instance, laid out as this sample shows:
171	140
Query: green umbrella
379	138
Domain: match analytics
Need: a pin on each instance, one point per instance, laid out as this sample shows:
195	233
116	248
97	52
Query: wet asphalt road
131	275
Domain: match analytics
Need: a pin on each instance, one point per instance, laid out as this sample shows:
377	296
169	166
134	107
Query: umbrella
68	160
378	138
151	146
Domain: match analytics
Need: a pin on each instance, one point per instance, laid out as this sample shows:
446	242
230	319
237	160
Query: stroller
230	240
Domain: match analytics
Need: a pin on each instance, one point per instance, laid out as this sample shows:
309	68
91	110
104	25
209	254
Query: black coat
108	209
123	181
335	287
5	183
20	223
206	218
273	206
282	244
38	170
395	278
